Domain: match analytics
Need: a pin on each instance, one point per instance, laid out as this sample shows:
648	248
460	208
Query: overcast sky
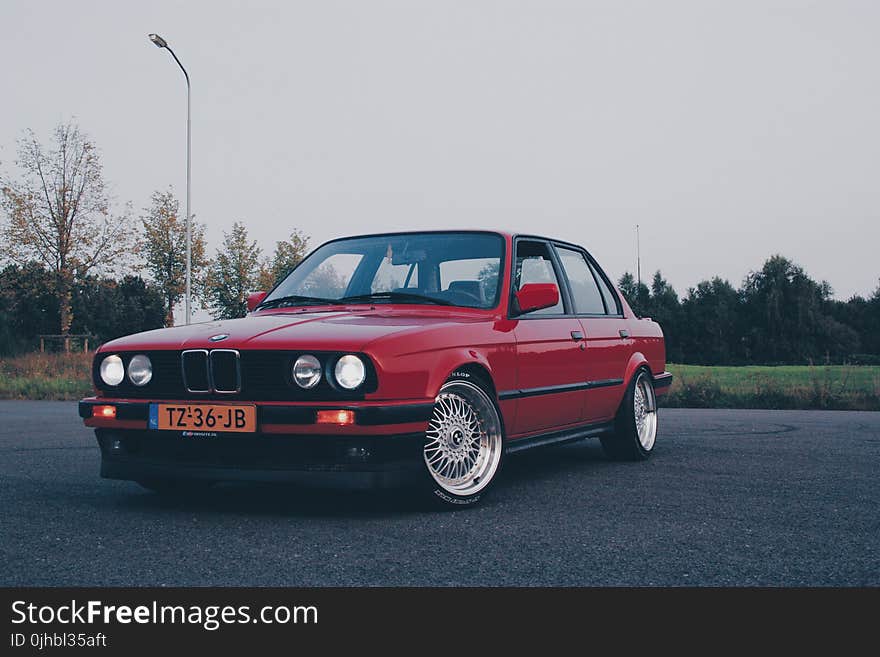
728	130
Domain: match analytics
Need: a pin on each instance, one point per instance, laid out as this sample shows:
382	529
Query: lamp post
638	256
161	43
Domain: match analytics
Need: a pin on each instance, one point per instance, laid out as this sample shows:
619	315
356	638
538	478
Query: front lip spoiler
304	458
281	414
663	380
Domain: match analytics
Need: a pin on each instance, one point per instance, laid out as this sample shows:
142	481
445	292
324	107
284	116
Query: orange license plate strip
221	418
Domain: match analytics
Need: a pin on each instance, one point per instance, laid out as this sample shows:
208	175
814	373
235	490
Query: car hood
347	330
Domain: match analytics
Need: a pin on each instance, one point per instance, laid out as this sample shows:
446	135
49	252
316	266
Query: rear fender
636	361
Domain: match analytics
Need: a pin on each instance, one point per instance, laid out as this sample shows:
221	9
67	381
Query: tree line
779	315
72	262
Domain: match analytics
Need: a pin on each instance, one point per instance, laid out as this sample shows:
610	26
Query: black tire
448	437
625	443
174	487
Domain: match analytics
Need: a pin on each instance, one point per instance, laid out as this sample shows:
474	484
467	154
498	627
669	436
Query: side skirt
559	437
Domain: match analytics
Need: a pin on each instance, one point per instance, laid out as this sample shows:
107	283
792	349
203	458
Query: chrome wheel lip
463	439
645	411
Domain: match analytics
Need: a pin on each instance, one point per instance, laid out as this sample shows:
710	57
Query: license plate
238	418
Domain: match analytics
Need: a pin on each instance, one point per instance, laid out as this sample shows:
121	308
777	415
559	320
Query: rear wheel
635	428
463	444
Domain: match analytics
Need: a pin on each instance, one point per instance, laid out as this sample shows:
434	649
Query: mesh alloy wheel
635	427
463	443
645	411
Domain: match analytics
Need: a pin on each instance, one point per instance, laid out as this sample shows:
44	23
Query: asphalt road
729	498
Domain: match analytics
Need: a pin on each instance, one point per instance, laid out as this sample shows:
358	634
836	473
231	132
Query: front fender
455	359
420	375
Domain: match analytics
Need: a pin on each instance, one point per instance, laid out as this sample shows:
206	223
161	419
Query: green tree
871	326
233	274
784	308
711	325
109	309
288	254
663	307
58	214
164	242
28	306
637	294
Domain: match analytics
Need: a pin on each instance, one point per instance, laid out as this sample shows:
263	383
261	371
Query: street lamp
162	43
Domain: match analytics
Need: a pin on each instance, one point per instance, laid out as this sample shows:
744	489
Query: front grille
216	371
225	372
194	365
246	375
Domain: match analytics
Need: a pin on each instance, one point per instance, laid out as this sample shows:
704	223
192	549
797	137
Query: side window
534	265
584	292
607	293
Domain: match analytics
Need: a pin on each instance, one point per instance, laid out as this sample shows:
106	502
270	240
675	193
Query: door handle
623	333
577	335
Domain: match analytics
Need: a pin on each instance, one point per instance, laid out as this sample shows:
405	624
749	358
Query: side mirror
535	296
254	299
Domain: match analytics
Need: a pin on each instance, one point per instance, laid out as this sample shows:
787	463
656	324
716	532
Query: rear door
550	362
605	331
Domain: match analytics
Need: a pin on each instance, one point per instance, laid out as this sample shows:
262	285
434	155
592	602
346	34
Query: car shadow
278	500
288	500
553	459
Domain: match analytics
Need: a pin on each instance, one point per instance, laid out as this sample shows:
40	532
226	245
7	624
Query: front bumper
311	460
381	449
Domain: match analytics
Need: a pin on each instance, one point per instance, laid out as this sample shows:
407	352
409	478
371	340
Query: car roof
476	231
426	231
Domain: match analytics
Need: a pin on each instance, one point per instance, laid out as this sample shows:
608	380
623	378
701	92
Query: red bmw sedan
417	359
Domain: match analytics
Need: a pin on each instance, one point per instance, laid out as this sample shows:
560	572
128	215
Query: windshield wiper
394	296
294	299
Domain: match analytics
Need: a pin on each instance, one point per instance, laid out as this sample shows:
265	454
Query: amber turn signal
108	412
335	417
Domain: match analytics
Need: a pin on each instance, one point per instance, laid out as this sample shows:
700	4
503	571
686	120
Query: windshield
457	269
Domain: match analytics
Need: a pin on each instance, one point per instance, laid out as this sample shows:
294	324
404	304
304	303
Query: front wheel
463	445
635	428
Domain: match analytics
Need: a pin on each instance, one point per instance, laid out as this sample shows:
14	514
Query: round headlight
140	370
307	371
112	370
350	371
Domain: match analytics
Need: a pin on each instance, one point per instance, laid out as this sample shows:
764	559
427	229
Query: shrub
46	376
699	392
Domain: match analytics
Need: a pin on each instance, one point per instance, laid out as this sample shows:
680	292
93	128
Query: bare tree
58	213
165	250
